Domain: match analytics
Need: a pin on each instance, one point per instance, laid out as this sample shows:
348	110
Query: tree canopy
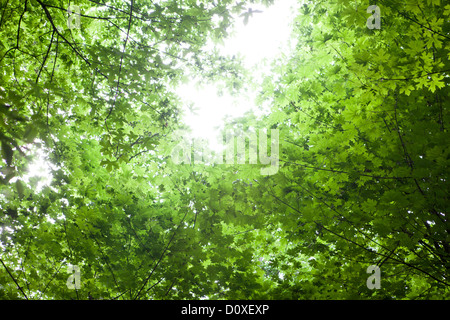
362	117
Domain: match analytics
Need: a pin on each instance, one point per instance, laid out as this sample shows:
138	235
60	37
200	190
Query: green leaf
30	133
7	152
20	188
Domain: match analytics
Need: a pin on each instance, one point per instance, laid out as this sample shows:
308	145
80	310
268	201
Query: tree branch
46	56
162	255
7	270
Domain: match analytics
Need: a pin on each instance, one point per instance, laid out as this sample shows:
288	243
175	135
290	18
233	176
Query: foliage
362	116
364	179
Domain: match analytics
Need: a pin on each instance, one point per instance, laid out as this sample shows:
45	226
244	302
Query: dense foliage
362	116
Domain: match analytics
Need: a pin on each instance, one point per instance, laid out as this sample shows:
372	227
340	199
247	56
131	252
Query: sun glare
263	38
40	169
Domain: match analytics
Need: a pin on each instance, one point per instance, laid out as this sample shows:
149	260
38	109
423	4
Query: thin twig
7	270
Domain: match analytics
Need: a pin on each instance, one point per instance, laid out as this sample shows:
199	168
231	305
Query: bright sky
265	36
